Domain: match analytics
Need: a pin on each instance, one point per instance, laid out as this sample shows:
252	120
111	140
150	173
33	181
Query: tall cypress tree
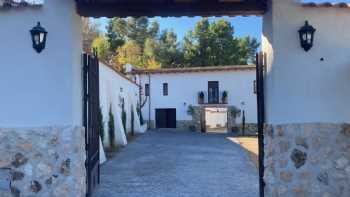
111	128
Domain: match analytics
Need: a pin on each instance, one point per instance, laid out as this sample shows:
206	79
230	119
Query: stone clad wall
43	162
311	160
251	129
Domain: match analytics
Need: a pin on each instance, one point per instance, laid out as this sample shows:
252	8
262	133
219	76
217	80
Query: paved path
179	164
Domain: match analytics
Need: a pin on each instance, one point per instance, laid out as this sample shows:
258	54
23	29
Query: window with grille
165	89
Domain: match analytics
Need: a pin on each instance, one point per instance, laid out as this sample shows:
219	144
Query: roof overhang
169	8
231	68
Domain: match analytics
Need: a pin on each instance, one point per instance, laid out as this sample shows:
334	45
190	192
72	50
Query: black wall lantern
306	35
38	37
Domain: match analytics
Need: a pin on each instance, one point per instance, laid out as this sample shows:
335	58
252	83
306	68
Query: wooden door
161	118
166	118
171	118
213	92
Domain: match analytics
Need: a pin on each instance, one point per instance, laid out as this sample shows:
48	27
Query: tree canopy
139	42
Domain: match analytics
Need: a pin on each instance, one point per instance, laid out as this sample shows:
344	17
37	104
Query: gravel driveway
167	163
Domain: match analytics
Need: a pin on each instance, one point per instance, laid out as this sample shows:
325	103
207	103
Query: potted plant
235	112
190	110
224	97
201	97
192	128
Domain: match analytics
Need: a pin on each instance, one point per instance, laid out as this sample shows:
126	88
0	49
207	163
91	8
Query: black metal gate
91	123
260	65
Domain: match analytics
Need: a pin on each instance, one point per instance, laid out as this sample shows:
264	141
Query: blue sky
244	26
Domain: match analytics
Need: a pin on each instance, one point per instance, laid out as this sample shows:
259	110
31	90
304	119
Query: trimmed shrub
192	128
224	97
111	128
132	121
190	110
124	119
101	124
139	113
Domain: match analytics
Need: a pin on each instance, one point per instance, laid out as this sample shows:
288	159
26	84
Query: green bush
111	128
192	128
190	110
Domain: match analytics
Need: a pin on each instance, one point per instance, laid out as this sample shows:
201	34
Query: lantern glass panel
42	35
37	39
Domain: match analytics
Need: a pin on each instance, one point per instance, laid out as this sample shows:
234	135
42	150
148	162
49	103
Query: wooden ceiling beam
176	8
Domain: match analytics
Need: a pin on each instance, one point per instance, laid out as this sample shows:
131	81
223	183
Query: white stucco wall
41	89
215	117
184	88
113	87
299	87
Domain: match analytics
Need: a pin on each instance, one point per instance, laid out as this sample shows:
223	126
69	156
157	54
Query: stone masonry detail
44	161
311	160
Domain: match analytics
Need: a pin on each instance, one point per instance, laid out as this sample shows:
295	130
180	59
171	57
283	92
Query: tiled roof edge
327	5
20	3
194	69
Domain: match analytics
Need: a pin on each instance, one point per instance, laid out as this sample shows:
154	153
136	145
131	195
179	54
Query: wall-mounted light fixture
306	35
38	37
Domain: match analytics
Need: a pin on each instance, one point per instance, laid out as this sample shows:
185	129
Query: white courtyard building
198	98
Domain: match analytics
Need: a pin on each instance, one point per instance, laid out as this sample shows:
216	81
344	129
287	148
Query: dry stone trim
310	160
44	161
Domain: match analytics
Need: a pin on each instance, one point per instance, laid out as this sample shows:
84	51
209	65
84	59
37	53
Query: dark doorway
213	92
166	118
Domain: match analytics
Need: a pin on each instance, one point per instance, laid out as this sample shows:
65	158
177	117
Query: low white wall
41	89
114	87
299	86
184	88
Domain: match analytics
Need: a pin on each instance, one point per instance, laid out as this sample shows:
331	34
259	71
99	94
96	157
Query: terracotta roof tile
327	5
20	3
194	69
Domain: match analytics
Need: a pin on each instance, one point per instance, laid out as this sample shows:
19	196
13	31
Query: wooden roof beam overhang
169	8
